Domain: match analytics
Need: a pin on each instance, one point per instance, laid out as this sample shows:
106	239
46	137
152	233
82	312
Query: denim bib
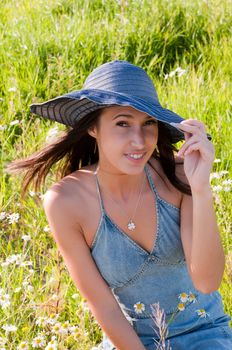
135	275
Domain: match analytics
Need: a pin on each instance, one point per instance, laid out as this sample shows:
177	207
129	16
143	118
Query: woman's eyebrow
129	116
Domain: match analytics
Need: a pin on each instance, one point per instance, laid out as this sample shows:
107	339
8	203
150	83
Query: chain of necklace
131	224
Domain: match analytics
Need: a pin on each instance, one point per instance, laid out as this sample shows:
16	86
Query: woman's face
126	139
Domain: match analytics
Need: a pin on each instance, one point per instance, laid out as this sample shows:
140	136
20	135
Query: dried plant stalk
158	317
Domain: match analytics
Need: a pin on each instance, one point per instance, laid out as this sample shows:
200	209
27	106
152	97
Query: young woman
133	219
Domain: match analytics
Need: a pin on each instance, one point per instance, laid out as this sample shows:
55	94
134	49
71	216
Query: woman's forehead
114	111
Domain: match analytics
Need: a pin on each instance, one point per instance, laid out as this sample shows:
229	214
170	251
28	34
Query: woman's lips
136	157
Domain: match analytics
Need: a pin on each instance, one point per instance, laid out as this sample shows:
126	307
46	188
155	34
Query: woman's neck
122	187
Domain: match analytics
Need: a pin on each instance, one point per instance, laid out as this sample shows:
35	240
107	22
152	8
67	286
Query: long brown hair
75	148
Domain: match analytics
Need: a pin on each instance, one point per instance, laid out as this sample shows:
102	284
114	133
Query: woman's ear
92	131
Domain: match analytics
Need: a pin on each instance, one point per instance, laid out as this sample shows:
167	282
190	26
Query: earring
95	148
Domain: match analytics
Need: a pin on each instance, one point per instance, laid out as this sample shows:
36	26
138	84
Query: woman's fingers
191	127
194	122
192	140
203	143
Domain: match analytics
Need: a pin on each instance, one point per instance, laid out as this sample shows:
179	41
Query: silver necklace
131	224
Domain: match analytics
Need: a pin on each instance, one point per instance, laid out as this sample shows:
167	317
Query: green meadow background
48	48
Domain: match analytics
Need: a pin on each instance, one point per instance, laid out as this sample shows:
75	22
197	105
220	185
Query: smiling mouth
135	155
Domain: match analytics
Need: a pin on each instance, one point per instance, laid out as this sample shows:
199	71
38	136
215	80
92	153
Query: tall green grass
47	48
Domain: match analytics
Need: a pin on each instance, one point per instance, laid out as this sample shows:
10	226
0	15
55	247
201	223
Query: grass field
47	48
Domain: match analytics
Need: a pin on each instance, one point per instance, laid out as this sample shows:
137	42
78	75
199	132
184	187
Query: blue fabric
135	275
113	83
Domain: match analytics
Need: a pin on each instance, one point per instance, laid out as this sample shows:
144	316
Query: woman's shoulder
74	183
73	190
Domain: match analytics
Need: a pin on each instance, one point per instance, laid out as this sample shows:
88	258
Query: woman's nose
138	139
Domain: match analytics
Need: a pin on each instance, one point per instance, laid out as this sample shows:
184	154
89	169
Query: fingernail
174	123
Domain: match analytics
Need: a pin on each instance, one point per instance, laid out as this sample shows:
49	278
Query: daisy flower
23	345
139	307
38	342
183	297
57	328
202	313
181	307
192	298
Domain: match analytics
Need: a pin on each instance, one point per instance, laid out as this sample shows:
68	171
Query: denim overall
160	276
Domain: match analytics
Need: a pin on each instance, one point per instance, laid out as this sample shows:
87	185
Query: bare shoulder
69	196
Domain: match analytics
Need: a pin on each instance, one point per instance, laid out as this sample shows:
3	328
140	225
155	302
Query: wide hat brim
68	109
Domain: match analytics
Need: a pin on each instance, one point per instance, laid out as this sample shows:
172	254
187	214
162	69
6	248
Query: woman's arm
201	241
199	230
85	274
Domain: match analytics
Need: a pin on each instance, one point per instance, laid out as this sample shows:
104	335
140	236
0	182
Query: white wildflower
46	228
3	341
217	188
74	330
178	71
13	218
202	313
57	328
2	215
3	127
30	288
25	263
38	342
14	122
65	327
12	89
139	307
26	238
52	319
183	297
15	258
217	160
52	345
75	296
181	307
5	301
227	189
215	176
171	74
192	298
9	328
23	345
41	321
227	182
223	172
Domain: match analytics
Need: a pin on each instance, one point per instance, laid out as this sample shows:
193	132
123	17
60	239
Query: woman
133	221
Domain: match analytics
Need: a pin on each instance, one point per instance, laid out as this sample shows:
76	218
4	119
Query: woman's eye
122	123
151	122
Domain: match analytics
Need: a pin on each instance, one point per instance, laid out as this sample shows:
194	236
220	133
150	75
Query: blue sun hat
113	83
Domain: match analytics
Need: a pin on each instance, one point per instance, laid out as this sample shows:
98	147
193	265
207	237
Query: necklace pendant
131	225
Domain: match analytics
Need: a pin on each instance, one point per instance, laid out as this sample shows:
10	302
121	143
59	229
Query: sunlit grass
47	49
